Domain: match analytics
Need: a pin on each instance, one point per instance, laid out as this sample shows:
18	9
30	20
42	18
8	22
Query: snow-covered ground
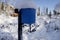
48	29
8	27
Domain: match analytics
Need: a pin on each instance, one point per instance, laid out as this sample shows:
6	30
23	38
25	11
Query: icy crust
49	29
8	27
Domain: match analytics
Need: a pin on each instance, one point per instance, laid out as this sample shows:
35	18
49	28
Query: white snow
46	28
8	27
49	29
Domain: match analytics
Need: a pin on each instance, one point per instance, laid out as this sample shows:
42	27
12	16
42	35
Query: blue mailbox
28	15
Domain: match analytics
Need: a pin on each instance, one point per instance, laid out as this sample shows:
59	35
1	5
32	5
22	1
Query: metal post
19	27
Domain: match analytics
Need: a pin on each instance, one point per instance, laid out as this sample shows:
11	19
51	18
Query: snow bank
49	29
8	27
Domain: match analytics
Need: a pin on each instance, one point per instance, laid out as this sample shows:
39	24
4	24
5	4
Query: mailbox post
19	25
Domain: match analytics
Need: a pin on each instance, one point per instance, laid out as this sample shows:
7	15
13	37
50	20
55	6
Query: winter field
8	27
46	29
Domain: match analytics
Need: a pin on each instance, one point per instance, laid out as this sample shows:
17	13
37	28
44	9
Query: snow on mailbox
28	15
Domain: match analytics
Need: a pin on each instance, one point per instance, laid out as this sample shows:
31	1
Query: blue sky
47	3
43	3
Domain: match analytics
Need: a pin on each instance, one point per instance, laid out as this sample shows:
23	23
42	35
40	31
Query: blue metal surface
28	15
